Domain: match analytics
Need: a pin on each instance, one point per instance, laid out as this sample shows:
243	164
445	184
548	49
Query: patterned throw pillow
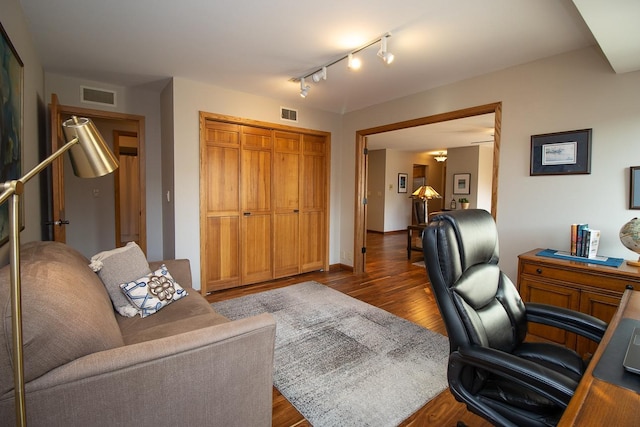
153	291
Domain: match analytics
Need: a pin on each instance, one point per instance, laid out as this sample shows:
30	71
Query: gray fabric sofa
85	365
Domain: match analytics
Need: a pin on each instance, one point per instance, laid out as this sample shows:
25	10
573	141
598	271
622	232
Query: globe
630	238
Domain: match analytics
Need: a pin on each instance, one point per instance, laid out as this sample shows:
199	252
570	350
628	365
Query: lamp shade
90	157
426	192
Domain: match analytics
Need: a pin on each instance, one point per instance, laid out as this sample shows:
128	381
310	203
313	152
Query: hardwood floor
393	283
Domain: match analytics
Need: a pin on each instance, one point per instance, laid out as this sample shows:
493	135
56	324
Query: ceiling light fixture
320	75
304	89
354	63
387	57
440	157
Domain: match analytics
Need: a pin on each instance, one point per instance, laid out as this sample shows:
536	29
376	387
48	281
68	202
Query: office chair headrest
475	233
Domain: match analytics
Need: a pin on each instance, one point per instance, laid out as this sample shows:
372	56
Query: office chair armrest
581	323
547	382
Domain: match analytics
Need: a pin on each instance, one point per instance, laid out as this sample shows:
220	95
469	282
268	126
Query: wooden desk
597	402
589	288
410	245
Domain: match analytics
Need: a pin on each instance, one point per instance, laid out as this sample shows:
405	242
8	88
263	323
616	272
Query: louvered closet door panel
255	190
286	187
220	205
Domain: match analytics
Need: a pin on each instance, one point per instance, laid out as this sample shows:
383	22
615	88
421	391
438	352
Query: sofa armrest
221	374
180	270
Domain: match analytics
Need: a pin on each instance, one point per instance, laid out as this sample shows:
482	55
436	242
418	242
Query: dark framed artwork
11	94
402	182
561	153
461	183
634	185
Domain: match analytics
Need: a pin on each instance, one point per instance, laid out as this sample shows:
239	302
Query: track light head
320	75
353	62
387	57
304	89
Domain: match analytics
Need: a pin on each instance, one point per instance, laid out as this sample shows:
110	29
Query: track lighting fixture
353	63
320	75
304	89
387	57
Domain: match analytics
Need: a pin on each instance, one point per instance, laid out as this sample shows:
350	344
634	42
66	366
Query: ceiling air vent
288	114
92	95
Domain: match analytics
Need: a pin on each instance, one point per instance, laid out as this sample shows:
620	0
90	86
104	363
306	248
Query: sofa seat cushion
187	314
66	312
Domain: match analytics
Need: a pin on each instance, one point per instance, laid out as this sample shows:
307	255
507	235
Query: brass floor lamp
90	158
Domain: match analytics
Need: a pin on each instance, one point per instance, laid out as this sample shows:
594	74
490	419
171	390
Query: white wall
190	97
376	192
485	177
34	133
463	160
397	206
572	91
388	210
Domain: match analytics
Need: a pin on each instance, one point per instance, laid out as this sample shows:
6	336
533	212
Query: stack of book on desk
584	241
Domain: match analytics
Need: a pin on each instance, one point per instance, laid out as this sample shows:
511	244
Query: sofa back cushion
66	312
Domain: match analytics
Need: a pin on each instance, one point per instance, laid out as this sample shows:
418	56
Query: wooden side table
410	245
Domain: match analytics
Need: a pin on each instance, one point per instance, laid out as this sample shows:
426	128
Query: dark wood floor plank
391	283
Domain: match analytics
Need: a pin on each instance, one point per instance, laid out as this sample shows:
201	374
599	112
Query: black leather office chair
499	376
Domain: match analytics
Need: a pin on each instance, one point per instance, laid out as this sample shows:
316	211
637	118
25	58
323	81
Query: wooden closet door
314	203
220	203
255	191
286	188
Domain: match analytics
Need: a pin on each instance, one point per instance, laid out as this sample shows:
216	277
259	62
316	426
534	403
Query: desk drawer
606	280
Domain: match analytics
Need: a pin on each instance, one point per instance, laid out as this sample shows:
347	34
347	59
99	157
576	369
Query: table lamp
90	158
425	192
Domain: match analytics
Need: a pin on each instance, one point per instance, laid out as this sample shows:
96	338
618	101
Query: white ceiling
258	46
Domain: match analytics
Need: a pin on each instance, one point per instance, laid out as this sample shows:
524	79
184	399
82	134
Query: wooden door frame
56	113
360	222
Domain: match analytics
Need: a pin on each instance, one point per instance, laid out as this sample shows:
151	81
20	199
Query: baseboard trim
339	267
385	233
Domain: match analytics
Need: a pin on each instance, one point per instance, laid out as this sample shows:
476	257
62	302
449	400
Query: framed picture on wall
461	183
561	153
634	185
402	182
11	100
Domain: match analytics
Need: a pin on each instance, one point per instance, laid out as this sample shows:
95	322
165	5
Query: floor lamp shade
90	157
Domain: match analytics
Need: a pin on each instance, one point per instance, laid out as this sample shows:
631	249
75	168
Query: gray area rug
342	362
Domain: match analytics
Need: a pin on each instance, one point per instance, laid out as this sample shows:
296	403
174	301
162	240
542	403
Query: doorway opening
89	206
360	223
127	187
